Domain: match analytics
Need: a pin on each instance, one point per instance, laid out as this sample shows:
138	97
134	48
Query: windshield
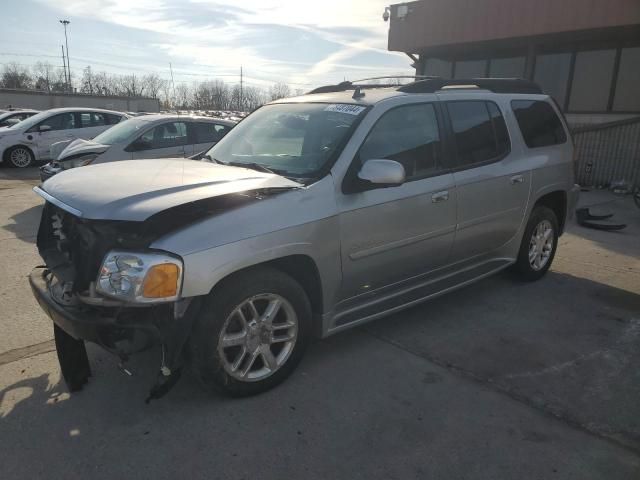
121	132
292	139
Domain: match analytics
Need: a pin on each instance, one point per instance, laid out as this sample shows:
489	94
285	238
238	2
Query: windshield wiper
256	166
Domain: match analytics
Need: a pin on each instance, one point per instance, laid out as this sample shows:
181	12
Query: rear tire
251	332
538	246
19	157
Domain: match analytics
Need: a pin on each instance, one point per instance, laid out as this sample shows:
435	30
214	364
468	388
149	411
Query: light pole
66	41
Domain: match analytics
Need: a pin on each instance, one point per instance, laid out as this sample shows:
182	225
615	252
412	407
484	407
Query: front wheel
538	245
20	157
251	332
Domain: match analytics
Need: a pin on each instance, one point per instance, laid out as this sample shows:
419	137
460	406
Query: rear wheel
251	332
20	157
539	244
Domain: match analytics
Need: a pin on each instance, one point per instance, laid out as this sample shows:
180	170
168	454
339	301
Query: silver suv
313	215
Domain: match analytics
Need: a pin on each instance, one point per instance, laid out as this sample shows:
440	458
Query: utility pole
241	100
173	85
66	41
64	64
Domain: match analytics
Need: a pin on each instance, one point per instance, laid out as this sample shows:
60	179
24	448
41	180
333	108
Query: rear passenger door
204	135
162	141
492	178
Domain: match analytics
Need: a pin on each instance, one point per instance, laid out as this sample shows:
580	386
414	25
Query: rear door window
92	119
207	132
539	123
112	119
480	133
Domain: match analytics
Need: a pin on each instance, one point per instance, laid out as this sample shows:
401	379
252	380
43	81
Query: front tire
20	157
251	332
539	244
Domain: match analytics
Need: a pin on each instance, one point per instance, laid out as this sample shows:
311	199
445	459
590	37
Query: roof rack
496	85
427	84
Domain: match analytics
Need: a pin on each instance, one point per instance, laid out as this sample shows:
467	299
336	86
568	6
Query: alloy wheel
258	337
541	245
20	157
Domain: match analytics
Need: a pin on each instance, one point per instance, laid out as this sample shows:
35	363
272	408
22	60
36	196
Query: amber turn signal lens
161	281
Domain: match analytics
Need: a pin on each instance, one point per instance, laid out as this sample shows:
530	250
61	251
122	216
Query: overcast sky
304	43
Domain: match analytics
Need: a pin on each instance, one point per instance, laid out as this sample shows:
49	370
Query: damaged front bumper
121	331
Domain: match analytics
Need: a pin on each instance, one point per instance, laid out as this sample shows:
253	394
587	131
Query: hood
80	146
134	190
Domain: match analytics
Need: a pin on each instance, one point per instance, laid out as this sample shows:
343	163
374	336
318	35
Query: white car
147	136
29	141
8	119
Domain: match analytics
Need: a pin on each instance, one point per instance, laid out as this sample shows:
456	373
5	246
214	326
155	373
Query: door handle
516	179
440	196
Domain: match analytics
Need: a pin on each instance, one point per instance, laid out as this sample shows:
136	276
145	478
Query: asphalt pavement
498	380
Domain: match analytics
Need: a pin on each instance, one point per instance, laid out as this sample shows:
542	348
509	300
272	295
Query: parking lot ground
498	380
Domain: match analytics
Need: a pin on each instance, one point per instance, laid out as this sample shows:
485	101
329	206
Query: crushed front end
102	283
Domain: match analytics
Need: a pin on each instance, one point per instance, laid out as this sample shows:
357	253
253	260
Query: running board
408	297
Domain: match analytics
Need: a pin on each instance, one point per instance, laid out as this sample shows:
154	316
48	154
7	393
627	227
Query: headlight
140	277
78	162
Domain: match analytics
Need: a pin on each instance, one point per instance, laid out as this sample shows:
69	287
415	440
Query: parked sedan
29	141
8	119
147	136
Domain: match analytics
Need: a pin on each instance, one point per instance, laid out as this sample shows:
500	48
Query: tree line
211	94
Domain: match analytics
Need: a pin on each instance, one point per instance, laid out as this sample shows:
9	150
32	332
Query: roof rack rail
496	85
352	85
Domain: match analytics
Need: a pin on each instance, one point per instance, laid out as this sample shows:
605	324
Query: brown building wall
436	23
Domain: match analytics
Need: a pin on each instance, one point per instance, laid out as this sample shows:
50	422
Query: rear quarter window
539	123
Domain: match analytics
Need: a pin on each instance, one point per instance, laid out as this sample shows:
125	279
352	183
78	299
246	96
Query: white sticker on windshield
345	108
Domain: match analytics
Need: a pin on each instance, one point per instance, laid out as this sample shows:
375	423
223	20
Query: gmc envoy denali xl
313	215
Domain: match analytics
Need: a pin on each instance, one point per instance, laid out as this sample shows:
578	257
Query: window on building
437	68
507	67
552	74
592	81
539	123
476	139
627	96
471	69
408	135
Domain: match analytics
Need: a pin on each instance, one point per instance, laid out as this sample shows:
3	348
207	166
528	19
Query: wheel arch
5	154
557	202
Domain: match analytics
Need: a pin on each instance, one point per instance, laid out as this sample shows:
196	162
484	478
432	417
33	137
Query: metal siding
613	151
432	23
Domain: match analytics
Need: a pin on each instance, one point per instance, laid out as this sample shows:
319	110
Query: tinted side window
62	121
167	135
112	119
538	122
408	135
206	132
474	134
92	119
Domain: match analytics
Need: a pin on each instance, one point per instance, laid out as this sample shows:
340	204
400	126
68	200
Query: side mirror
383	173
44	128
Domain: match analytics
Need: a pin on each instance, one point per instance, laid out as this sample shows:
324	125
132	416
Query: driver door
391	234
62	127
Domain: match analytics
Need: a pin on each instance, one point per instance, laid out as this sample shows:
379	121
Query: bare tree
88	83
152	84
183	95
16	76
47	77
279	90
130	86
